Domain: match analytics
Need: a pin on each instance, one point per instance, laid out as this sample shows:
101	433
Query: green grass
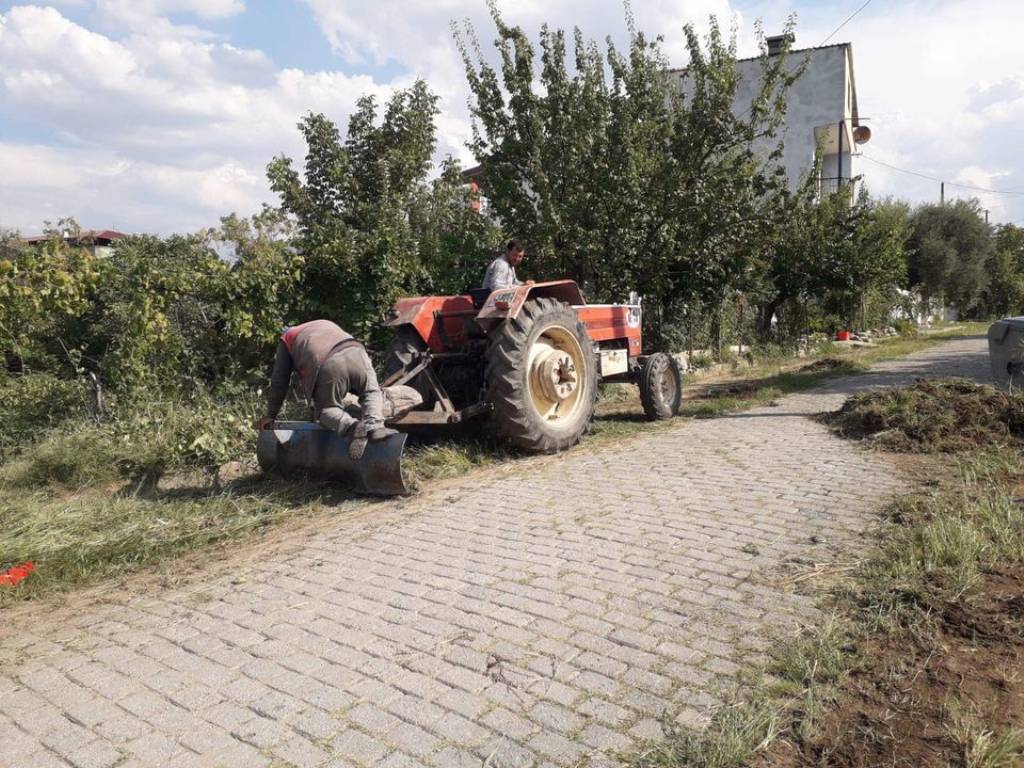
807	671
940	541
797	685
93	535
451	458
737	731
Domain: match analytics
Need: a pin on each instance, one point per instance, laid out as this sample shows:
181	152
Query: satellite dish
861	134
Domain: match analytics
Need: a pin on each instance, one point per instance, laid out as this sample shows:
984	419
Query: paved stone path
547	615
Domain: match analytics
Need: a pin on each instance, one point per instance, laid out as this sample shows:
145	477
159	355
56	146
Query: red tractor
529	357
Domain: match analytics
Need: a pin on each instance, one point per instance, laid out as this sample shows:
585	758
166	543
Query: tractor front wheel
542	377
661	387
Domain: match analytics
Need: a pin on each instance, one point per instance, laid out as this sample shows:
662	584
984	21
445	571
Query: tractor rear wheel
402	350
661	387
542	377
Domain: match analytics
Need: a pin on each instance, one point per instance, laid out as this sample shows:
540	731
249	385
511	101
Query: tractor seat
479	296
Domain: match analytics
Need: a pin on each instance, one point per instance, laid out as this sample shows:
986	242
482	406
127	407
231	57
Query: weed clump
141	444
938	415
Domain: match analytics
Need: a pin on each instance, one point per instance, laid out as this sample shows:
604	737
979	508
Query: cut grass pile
936	415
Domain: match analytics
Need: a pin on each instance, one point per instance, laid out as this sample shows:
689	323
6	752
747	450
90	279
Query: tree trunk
717	330
765	313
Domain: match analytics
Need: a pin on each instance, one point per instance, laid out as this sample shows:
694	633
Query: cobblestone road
549	615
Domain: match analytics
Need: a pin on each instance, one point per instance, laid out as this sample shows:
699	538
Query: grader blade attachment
303	447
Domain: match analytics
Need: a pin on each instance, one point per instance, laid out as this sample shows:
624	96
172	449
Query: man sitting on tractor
331	364
502	271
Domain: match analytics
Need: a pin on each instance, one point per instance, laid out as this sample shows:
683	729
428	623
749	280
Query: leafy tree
1010	239
352	207
259	295
43	287
618	177
1004	294
156	313
455	239
827	257
950	246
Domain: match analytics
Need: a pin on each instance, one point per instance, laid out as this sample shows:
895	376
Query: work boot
381	433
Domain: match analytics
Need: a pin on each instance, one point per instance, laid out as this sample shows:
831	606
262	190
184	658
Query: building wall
819	100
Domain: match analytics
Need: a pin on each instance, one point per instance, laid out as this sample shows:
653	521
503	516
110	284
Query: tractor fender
506	303
425	313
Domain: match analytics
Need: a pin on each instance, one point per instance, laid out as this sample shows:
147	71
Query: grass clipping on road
922	661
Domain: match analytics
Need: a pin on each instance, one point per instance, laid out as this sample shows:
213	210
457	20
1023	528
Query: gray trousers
348	372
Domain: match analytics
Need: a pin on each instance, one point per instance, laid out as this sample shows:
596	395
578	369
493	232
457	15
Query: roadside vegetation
921	661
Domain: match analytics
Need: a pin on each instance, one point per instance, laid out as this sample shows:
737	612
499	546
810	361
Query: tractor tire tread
657	365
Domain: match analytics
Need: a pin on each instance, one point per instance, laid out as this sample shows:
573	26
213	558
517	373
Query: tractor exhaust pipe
303	447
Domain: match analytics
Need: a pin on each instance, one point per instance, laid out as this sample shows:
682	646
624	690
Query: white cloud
147	14
158	129
412	31
105	190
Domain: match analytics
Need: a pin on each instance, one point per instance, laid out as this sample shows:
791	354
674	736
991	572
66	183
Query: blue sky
160	115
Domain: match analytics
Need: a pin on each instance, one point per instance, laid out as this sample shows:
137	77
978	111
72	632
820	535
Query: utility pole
986	215
942	193
839	156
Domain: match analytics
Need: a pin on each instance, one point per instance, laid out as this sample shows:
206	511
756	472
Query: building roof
789	53
472	173
94	235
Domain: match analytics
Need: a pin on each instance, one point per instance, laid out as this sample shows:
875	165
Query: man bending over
331	364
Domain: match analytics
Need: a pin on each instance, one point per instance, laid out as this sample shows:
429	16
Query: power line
847	21
935	178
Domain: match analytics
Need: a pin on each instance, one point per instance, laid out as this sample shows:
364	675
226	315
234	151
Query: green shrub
905	327
34	403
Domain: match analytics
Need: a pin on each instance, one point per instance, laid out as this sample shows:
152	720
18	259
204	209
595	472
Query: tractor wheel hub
557	375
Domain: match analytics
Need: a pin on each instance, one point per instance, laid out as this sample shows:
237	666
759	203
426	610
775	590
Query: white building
821	111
